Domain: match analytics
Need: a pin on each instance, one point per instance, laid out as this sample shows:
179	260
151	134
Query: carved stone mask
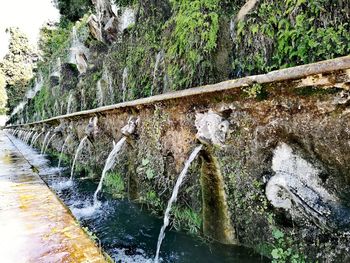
211	128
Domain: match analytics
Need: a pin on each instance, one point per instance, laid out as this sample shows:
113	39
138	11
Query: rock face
110	20
297	188
69	76
94	27
280	161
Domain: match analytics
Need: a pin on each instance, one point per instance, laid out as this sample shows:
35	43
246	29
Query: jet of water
111	159
80	147
99	93
48	143
159	58
124	83
31	141
36	138
69	103
173	199
43	146
64	144
28	137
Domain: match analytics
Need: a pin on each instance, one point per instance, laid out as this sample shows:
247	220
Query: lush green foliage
186	219
281	34
73	10
194	30
53	38
115	184
124	2
282	252
17	66
3	95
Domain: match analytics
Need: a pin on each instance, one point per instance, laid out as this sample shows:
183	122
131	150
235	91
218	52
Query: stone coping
288	74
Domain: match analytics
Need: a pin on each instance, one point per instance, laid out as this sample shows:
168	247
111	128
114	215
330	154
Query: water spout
28	137
36	138
159	59
69	103
173	199
124	84
31	141
48	143
44	142
80	147
112	157
99	93
64	144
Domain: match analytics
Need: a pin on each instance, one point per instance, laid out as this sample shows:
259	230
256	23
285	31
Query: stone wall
274	169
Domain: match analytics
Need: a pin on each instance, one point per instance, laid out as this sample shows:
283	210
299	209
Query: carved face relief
91	129
130	128
211	128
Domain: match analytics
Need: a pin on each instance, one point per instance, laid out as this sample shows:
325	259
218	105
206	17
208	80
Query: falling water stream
127	231
69	103
44	142
159	58
35	139
61	154
111	159
80	147
48	142
173	199
124	83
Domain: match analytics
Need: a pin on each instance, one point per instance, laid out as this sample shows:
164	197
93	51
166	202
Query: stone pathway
34	225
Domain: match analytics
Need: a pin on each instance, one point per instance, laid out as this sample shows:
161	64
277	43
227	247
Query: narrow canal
125	230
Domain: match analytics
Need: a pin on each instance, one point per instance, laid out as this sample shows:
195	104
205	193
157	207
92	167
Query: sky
28	15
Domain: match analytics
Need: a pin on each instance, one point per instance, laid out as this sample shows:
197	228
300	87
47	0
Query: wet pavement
34	225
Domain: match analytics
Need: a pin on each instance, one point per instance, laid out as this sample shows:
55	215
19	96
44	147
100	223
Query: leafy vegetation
186	219
283	252
53	38
194	30
3	94
17	66
72	10
281	34
115	184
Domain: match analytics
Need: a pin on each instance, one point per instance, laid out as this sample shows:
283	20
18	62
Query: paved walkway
34	225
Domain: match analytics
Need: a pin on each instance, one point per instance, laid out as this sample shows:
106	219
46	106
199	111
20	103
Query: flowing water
159	58
44	142
69	103
173	199
61	154
28	137
48	142
80	147
125	230
111	159
124	84
99	94
36	138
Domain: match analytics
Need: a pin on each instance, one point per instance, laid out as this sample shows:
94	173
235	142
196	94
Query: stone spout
211	128
91	129
130	128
